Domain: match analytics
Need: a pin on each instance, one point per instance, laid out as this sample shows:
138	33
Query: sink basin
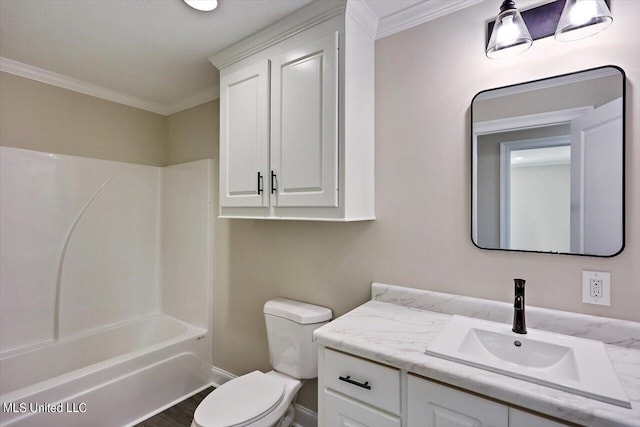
575	365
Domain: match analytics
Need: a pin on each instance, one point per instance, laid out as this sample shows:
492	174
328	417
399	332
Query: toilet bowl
256	399
260	399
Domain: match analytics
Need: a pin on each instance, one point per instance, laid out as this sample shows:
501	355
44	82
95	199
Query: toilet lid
240	401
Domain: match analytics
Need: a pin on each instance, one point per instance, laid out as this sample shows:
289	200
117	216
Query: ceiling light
582	18
203	5
510	35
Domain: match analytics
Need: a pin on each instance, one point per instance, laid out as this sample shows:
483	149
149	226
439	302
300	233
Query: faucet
519	323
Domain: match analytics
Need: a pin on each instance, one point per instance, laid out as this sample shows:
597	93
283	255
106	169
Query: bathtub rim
109	327
191	332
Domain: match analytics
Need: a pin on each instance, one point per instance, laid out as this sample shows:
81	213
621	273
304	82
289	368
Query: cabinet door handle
260	188
348	379
273	183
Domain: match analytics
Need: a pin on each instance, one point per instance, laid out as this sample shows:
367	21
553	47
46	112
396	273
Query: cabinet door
304	125
244	137
434	405
340	411
518	418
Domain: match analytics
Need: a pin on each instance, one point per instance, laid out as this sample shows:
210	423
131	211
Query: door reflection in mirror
538	199
548	166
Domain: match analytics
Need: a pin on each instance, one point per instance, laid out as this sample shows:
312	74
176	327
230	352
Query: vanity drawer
340	411
363	380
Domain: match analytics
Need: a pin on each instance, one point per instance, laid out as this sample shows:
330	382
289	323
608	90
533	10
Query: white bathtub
114	377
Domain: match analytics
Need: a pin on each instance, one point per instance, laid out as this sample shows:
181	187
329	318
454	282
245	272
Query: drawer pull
348	379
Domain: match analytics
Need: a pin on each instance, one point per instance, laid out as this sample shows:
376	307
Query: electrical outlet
596	287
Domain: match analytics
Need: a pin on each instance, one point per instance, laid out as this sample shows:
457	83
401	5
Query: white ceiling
152	54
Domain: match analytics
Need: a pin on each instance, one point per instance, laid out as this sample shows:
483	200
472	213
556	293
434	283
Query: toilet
260	399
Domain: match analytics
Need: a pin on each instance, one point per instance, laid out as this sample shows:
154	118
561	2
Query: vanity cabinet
296	118
520	418
341	411
434	405
358	392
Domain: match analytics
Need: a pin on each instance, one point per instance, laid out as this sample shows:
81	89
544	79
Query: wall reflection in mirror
548	165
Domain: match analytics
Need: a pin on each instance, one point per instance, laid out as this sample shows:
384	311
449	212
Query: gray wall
193	134
41	117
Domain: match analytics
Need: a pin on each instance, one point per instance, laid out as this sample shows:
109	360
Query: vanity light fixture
582	18
203	5
510	35
565	19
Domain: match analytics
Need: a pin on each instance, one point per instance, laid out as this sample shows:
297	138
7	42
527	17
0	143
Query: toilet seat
241	401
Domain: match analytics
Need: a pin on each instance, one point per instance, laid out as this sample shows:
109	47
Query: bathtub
117	376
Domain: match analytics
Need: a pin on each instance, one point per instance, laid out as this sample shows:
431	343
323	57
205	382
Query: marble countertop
396	332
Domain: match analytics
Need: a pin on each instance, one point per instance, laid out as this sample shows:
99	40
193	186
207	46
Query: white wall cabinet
304	125
296	118
358	392
244	136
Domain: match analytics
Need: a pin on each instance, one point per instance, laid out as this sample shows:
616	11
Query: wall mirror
548	165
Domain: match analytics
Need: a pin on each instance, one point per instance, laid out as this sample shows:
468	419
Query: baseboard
304	417
220	376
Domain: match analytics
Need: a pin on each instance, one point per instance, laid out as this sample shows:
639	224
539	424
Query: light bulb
582	18
510	35
507	31
203	5
582	12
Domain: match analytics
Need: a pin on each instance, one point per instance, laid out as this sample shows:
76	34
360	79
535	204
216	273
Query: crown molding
45	76
360	11
304	18
295	23
420	13
194	100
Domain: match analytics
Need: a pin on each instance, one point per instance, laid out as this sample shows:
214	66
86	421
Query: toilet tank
290	326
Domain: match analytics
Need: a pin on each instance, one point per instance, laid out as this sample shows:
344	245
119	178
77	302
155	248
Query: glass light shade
203	5
582	18
510	35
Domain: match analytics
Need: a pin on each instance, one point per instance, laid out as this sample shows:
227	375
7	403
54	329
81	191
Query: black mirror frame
624	160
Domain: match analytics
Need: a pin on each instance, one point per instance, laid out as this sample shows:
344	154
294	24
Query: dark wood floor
179	415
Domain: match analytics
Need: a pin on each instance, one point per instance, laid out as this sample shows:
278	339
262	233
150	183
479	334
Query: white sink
571	364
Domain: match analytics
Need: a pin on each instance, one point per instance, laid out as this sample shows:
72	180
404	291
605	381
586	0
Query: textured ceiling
152	54
156	50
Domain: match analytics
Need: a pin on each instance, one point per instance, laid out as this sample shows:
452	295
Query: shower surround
104	267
